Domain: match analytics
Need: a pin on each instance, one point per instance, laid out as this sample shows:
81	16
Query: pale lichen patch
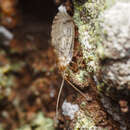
115	46
116	31
83	121
69	109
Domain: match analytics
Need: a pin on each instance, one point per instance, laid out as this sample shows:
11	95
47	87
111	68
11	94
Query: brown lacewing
63	33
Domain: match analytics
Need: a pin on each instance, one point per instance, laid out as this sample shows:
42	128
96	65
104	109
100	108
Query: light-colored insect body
63	34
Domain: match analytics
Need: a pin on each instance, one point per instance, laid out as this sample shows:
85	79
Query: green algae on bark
86	18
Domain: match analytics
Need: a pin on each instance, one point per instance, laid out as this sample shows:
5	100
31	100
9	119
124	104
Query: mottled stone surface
116	45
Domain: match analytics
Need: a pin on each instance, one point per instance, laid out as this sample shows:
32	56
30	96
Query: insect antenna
58	100
78	90
59	94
